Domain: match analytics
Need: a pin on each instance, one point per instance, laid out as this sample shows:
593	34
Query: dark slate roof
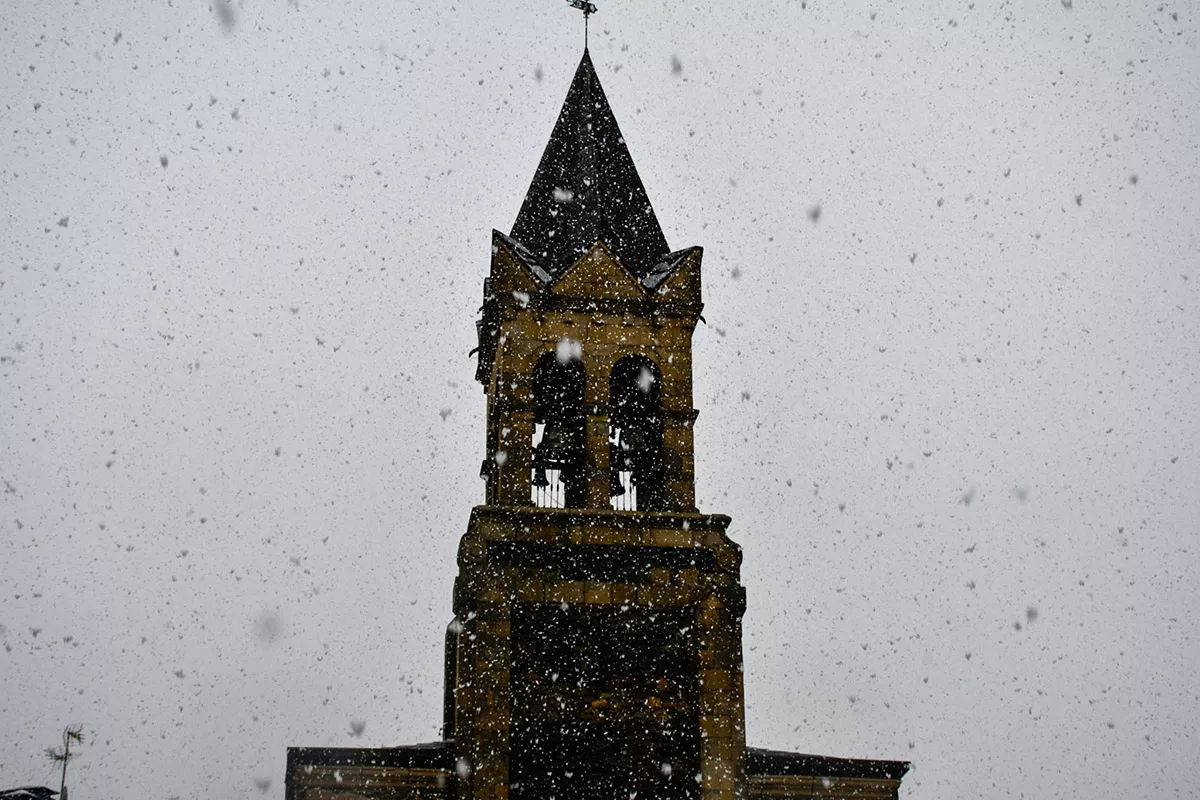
587	189
432	755
776	762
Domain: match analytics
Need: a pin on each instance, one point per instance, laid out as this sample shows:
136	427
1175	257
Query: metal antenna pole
66	757
72	734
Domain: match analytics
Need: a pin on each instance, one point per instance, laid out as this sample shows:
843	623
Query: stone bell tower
596	646
597	636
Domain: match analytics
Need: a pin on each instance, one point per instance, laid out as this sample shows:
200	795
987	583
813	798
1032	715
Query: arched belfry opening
635	433
559	431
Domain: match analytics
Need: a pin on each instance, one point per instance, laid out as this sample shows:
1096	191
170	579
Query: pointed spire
586	189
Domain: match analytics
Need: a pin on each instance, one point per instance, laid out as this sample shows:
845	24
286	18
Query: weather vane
588	9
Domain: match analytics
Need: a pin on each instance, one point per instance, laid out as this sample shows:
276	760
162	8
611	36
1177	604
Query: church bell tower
596	647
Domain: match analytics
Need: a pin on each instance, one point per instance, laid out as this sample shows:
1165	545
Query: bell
636	440
615	489
555	449
618	458
539	478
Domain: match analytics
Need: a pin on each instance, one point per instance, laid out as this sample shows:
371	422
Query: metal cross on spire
588	9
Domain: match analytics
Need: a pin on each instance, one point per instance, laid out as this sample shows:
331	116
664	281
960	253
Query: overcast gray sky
242	250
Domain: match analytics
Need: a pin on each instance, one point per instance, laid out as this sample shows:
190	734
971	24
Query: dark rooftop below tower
586	189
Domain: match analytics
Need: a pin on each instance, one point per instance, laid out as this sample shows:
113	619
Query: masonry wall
420	772
809	787
630	561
